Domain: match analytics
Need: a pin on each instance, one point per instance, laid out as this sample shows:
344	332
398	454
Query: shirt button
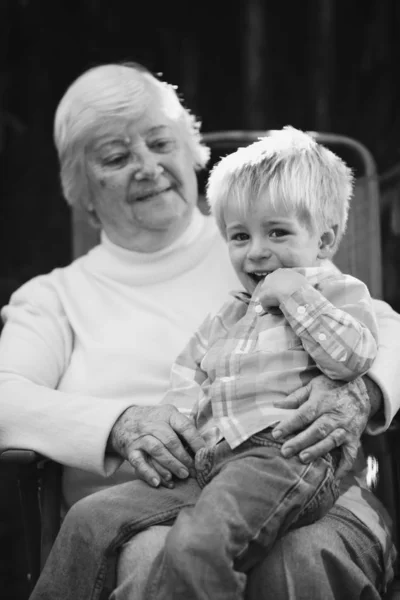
258	309
226	379
301	310
321	337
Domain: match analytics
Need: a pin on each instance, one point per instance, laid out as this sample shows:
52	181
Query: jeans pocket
204	462
322	501
264	438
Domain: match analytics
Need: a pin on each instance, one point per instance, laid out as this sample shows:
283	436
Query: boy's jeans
251	496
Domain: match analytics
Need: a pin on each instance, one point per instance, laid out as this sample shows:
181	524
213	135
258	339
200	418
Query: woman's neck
153	244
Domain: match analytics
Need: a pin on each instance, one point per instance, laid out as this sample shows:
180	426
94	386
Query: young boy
282	206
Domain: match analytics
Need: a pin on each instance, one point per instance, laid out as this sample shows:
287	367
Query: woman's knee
86	516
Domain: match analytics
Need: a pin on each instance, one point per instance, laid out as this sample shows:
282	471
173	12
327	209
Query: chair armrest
384	449
39	485
21	457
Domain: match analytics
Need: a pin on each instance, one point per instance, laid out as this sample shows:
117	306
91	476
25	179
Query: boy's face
262	240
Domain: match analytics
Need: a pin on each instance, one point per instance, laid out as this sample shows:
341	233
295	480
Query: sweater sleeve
35	350
386	368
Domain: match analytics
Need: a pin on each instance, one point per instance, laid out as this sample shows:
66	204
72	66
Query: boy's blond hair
290	171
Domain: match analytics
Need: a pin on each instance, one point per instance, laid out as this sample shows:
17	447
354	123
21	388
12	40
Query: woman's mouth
151	194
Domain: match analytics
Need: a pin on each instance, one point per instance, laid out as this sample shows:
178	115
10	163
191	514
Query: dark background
327	65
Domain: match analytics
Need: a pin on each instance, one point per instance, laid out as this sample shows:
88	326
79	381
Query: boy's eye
239	237
274	233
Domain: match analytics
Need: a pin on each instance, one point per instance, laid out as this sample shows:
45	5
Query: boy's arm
336	324
187	374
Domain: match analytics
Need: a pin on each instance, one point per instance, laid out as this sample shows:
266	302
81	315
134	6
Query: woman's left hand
329	414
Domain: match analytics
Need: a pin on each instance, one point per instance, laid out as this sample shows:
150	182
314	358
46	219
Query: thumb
349	455
295	399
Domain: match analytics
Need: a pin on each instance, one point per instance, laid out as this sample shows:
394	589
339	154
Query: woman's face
142	182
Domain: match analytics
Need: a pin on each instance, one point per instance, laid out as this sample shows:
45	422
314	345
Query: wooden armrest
22	457
384	443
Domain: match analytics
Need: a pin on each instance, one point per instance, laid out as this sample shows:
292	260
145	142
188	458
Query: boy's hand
279	285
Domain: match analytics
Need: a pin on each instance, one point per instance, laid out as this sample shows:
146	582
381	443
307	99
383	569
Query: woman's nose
147	166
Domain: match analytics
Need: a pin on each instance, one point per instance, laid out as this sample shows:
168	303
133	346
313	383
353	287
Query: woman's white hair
289	171
105	93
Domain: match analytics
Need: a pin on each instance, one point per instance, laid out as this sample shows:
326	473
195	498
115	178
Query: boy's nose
258	251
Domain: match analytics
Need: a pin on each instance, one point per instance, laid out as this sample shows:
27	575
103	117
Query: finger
298	421
143	469
349	455
294	400
332	441
177	461
323	428
187	430
165	476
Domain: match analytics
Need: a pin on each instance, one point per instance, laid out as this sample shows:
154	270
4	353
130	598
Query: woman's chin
161	212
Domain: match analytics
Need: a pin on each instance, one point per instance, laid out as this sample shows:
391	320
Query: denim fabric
251	495
336	558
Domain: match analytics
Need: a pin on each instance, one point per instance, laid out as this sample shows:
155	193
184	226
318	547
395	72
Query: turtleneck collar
183	240
142	268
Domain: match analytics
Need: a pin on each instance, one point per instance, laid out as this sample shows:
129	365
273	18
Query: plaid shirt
243	359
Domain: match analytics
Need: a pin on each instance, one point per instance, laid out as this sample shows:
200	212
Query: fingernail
287	452
155	482
304	457
183	473
167	476
276	434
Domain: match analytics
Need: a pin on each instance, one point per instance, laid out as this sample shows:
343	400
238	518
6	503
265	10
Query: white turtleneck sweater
85	342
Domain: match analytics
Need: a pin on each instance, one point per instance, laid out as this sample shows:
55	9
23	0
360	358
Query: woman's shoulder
47	289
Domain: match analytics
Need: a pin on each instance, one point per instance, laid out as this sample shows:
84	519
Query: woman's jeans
224	522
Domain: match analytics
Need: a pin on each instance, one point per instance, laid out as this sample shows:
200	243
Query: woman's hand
329	414
154	440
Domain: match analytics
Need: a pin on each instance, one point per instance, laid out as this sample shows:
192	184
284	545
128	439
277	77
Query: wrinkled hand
279	285
329	414
153	440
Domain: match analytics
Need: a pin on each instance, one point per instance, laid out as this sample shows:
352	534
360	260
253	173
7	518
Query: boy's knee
185	540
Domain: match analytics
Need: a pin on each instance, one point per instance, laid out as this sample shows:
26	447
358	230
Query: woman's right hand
153	439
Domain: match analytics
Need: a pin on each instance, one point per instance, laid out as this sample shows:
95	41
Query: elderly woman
86	350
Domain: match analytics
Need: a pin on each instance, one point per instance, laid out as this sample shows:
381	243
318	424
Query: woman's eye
163	145
115	160
274	233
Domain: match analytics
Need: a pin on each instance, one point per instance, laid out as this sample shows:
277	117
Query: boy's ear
327	242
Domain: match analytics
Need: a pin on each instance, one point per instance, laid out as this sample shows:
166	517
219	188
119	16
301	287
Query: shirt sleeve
336	324
386	368
35	350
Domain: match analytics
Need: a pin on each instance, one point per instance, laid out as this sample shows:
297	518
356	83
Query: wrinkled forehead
127	129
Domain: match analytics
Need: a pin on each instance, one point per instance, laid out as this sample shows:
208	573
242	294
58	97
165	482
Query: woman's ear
93	219
327	242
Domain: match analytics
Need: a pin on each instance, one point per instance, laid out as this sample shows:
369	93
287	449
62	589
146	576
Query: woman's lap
335	558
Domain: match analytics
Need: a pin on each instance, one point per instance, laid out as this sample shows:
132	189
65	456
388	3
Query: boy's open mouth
257	276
